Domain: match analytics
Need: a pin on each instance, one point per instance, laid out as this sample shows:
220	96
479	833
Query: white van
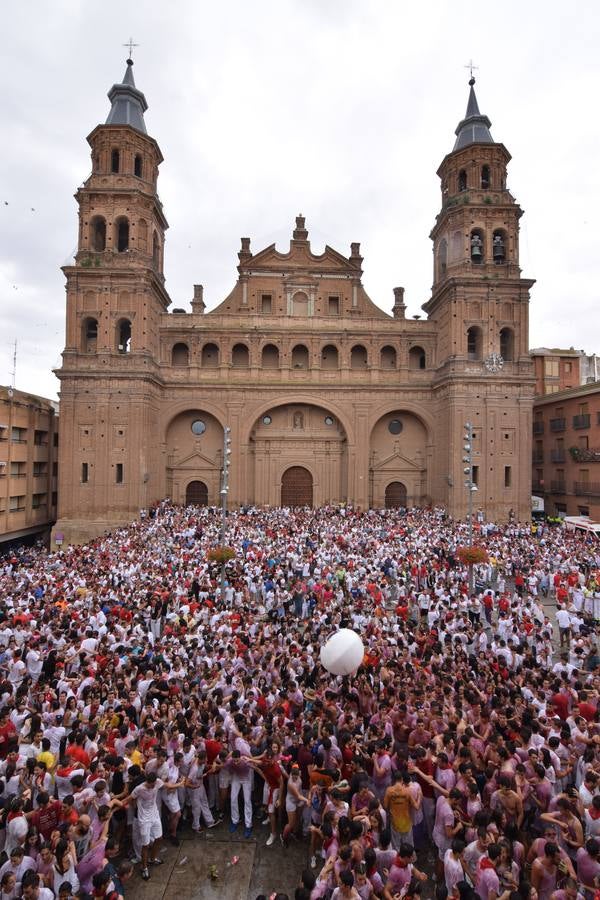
582	525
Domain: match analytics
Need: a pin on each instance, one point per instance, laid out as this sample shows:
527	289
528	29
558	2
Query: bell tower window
462	180
122	234
137	166
485	177
89	341
474	342
499	247
442	258
155	251
115	161
98	234
477	248
124	336
507	343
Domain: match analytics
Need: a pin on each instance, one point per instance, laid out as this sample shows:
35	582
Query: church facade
329	399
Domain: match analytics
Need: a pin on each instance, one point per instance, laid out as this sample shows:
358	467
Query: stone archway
297	487
395	495
196	494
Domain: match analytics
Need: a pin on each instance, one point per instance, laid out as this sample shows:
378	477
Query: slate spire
474	128
128	104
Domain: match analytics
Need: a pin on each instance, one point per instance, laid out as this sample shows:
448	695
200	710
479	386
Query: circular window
198	427
395	426
328	420
267	420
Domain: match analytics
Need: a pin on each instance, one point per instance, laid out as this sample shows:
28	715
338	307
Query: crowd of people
147	689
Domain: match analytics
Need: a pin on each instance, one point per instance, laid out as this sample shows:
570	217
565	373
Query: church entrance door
395	495
296	487
196	494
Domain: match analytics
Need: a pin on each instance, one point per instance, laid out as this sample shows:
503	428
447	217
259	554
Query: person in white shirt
145	796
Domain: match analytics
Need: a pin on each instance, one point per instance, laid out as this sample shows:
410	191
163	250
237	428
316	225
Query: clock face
494	362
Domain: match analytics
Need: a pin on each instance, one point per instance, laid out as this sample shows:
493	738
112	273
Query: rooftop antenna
11	390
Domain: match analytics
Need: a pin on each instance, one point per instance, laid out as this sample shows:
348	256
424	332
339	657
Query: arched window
462	180
122	234
300	357
477	246
442	258
300	304
240	357
329	357
388	357
89	335
270	357
115	161
358	357
499	246
98	234
485	178
416	358
180	355
474	342
137	165
507	344
124	336
210	356
156	251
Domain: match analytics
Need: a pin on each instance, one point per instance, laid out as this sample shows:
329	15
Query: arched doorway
196	494
296	487
395	495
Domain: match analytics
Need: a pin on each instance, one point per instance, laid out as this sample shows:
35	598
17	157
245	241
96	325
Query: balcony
557	424
581	454
558	487
582	421
557	456
537	457
538	427
537	487
587	488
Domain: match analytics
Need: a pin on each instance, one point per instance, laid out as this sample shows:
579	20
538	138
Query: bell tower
115	297
480	306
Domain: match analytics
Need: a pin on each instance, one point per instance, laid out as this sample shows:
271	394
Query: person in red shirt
47	816
77	752
8	734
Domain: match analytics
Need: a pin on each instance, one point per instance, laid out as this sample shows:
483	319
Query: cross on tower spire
472	68
130	45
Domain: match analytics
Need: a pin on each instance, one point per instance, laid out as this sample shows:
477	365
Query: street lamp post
224	492
470	486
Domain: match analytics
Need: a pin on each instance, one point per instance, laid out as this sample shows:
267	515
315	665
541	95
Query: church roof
128	104
474	128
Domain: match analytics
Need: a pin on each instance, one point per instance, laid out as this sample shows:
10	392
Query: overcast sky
339	109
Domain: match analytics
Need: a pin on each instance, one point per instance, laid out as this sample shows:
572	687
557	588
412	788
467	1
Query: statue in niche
298	421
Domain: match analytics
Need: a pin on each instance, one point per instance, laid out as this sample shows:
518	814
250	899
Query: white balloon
343	653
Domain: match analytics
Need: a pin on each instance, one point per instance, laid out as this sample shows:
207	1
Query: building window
499	246
198	427
395	426
137	166
124	336
507	344
40	469
266	420
85	473
583	510
477	246
40	438
89	339
507	476
18	469
568	368
240	357
462	180
485	177
210	356
119	473
475	475
416	358
333	306
98	234
180	355
329	357
358	357
474	342
39	500
551	367
17	503
122	234
54	469
300	357
155	251
328	420
18	435
270	357
388	357
115	161
266	304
